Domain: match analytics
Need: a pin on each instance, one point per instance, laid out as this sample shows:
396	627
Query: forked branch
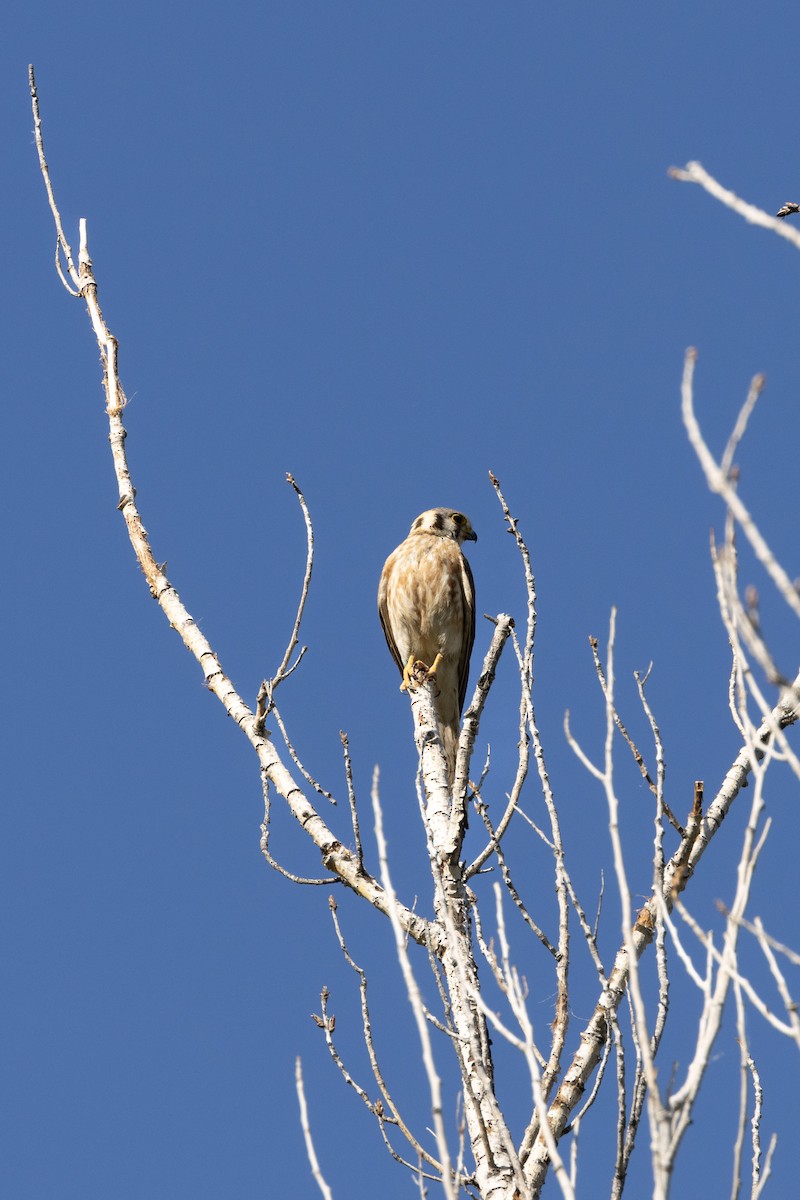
335	856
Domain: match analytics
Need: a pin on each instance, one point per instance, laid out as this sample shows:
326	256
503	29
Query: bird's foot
409	679
416	672
434	667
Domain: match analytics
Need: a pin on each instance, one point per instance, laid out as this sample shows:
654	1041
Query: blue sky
387	248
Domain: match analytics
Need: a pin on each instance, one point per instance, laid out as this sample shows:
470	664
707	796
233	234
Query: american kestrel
426	602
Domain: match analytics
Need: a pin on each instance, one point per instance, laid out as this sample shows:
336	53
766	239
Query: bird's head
445	522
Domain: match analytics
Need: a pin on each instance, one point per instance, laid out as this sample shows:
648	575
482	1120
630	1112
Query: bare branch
727	964
742	632
693	172
744	1054
378	1108
295	756
755	1125
699	834
62	245
503	625
415	1001
719	483
437	805
516	997
634	749
284	671
530	586
334	855
310	1151
683	1099
351	797
510	887
265	850
646	1049
738	432
756	928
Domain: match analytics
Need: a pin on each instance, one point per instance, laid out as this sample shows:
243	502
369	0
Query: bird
426	603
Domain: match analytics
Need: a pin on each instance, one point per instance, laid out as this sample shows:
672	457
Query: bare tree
463	945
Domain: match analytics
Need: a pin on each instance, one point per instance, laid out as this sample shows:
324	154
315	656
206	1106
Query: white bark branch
721	484
415	1002
693	172
306	1127
336	857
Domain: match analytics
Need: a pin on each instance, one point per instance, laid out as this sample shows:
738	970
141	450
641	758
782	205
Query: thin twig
634	749
61	241
528	725
693	172
755	927
744	1054
310	1151
351	797
719	483
503	626
377	1108
755	1124
510	887
309	778
265	850
739	429
284	671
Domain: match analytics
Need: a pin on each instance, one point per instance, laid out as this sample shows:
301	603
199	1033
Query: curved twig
284	670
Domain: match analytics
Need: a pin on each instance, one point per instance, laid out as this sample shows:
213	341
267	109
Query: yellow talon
434	668
408	675
415	672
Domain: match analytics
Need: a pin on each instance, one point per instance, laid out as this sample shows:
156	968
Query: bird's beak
471	536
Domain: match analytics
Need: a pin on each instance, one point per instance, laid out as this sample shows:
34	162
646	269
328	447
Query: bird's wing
383	612
468	633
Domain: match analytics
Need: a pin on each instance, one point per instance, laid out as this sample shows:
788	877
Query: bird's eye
458	519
